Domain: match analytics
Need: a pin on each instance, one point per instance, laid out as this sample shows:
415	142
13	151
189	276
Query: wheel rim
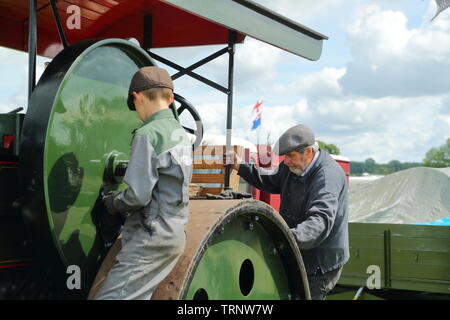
236	249
198	132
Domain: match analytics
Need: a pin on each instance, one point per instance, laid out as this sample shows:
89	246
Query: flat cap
294	138
148	78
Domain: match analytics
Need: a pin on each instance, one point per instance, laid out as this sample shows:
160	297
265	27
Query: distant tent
219	140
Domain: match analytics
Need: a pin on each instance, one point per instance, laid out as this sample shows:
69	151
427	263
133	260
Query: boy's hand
108	200
233	159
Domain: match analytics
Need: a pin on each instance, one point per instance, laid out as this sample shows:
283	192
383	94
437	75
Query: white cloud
14	78
4	108
390	59
384	128
314	85
213	118
256	65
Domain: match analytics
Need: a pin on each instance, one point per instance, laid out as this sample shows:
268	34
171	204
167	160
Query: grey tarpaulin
411	196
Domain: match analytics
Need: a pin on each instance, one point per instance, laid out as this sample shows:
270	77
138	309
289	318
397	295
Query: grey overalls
153	237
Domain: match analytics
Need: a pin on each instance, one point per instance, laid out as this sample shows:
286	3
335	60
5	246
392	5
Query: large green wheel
76	122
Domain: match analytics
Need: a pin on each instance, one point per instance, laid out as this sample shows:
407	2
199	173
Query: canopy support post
62	35
32	47
148	23
231	50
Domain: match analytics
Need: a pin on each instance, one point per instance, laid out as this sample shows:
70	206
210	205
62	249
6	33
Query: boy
158	177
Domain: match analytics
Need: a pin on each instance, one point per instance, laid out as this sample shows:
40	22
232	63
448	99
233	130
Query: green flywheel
76	121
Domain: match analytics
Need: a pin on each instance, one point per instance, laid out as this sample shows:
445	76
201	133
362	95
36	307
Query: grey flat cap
294	138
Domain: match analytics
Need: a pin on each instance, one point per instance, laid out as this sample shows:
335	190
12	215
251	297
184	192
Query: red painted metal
8	266
7	141
171	26
270	161
345	165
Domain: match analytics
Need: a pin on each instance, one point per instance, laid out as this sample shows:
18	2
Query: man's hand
233	159
108	200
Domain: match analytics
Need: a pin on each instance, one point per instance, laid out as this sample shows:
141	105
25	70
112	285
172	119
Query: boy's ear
138	96
172	97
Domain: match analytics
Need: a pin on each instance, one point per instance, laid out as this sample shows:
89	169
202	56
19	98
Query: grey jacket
160	169
153	237
314	207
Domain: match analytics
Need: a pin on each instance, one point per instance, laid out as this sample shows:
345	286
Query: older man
313	192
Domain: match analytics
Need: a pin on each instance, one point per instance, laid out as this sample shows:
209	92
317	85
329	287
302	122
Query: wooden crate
209	172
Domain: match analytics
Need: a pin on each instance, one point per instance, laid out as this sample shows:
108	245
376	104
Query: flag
257	120
257	105
441	6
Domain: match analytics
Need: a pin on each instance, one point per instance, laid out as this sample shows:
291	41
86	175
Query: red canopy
171	26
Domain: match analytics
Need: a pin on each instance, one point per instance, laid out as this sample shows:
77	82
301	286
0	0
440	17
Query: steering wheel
198	132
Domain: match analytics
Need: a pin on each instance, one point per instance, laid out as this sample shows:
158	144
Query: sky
381	88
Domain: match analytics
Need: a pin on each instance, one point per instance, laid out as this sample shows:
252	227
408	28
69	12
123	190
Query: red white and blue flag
258	114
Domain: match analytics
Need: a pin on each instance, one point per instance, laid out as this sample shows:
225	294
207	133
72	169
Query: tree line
435	157
371	167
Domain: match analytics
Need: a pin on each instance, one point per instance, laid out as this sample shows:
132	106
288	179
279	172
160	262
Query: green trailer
396	261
